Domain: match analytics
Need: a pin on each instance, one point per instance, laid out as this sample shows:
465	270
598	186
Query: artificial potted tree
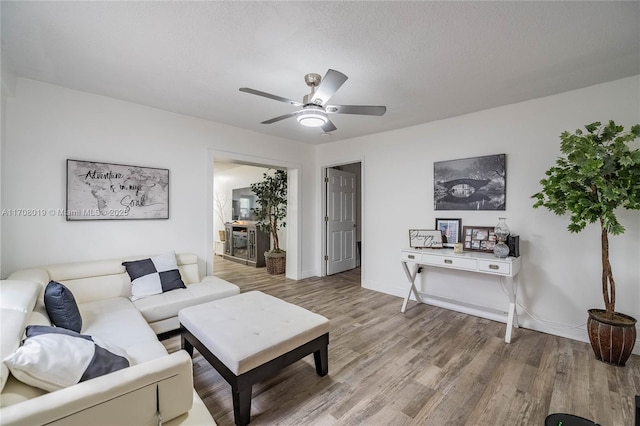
271	196
598	174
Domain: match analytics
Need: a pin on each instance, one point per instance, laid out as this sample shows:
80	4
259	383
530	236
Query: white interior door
341	221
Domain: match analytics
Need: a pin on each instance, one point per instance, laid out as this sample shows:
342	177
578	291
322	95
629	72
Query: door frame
294	206
323	212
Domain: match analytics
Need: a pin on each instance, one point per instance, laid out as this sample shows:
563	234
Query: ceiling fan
314	107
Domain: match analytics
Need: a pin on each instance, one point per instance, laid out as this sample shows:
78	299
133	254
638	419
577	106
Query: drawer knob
448	261
494	267
411	256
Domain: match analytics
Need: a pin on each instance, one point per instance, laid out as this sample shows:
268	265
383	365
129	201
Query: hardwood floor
429	366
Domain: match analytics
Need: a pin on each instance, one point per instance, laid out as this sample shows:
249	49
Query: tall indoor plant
598	174
271	195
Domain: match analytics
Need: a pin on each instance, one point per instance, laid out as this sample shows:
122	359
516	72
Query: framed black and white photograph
451	230
425	238
479	238
105	191
477	183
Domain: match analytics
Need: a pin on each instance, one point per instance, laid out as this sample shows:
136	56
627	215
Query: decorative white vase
501	249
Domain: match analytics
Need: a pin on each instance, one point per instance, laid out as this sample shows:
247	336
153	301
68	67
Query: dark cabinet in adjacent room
245	243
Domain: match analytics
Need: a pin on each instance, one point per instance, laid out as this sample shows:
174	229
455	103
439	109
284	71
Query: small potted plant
598	174
271	196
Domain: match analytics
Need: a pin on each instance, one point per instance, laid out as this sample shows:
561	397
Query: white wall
48	124
3	115
45	125
560	277
7	90
3	110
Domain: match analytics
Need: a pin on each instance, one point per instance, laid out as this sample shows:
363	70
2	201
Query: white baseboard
561	330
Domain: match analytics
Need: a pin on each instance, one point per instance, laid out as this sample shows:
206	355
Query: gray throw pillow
62	307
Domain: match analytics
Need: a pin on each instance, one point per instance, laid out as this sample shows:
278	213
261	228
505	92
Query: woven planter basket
276	263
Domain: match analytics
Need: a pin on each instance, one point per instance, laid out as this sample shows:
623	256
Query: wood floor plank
428	366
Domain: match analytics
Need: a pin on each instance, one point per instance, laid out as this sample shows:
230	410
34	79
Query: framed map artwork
104	191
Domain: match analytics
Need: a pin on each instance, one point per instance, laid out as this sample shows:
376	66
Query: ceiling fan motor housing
312	80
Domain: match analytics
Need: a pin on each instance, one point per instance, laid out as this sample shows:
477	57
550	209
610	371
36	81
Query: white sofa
155	381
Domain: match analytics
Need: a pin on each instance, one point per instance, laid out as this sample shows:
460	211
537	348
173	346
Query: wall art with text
104	191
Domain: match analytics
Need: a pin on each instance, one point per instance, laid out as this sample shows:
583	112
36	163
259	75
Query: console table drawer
449	262
408	256
494	266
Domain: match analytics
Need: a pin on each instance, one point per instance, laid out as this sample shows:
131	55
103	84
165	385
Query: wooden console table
484	263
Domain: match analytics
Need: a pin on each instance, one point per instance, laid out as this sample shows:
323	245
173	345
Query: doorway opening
229	171
238	237
342	217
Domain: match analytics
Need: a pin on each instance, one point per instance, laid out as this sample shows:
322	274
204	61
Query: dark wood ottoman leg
321	358
242	406
186	345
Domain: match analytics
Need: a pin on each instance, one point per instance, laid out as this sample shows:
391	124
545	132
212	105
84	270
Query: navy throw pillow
62	307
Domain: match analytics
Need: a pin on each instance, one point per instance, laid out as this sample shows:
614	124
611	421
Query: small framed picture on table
479	238
451	231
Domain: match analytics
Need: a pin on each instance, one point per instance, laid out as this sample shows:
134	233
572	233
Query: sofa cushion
118	321
61	307
17	299
167	305
18	295
53	358
154	275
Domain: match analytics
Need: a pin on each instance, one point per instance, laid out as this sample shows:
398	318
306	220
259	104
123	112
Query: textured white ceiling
424	60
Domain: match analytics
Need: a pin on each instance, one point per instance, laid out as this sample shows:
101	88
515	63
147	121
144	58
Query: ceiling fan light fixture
312	118
313	110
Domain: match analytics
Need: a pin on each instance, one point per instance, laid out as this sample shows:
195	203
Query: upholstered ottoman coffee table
251	336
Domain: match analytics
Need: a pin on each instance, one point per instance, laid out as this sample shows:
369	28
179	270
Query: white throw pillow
53	358
154	275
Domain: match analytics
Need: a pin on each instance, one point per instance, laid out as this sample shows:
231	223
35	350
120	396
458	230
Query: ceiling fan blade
270	96
282	117
329	84
329	127
356	109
